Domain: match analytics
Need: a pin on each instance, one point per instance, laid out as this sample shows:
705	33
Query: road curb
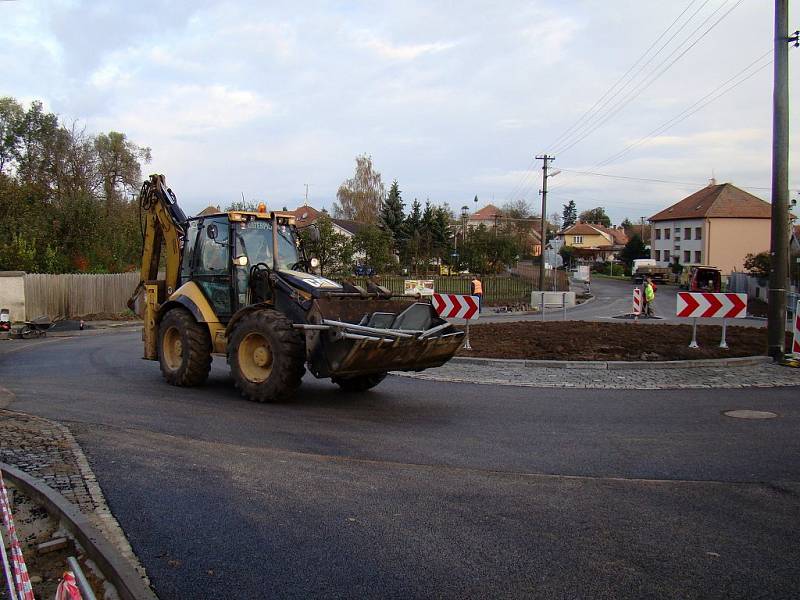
643	365
114	567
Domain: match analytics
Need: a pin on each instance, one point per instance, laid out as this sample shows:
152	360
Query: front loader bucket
353	336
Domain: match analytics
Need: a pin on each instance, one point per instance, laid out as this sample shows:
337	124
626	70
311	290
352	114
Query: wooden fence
66	296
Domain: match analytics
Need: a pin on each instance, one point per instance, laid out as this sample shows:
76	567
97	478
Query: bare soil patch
582	340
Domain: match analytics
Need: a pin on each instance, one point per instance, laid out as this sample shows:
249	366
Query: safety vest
649	294
477	288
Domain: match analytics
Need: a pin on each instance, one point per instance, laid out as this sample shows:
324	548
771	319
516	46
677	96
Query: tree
567	253
634	249
569	216
65	195
485	252
243	205
333	249
595	215
626	225
118	164
376	244
392	214
516	209
360	197
758	265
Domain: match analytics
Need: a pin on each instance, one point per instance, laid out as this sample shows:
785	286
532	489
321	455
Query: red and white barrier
68	588
637	301
707	305
456	306
796	337
22	583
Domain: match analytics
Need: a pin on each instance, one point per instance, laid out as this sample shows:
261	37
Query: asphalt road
422	489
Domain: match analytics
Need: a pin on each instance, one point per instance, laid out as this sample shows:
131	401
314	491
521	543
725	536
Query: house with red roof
717	225
593	241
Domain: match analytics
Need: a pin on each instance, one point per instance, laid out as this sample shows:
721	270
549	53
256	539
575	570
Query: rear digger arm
164	225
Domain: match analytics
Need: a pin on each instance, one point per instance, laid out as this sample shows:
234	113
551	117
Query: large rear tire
359	383
184	349
267	356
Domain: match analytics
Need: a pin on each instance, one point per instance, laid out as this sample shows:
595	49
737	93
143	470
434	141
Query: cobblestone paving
48	451
765	375
44	450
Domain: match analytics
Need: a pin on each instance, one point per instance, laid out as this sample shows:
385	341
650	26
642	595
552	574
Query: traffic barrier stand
22	583
707	305
457	306
637	302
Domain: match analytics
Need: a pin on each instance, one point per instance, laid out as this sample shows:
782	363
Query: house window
658	234
698	233
687	233
658	255
666	256
687	256
697	256
666	234
577	239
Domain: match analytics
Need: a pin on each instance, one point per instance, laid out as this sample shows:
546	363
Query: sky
452	99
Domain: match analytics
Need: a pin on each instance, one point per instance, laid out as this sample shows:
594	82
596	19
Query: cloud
187	111
386	49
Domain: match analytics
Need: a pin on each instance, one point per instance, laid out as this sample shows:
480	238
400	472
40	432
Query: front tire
267	356
359	383
184	349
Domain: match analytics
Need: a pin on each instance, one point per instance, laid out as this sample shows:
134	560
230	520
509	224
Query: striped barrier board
456	306
637	301
796	337
22	583
705	305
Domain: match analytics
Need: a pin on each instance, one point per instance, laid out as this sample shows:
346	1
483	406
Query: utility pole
545	160
779	242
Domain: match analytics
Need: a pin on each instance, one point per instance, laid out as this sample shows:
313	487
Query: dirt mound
582	340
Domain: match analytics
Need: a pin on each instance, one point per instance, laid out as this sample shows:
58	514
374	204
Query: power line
653	76
624	76
650	180
522	186
692	109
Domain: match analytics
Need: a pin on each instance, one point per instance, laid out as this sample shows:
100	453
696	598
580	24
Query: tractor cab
230	256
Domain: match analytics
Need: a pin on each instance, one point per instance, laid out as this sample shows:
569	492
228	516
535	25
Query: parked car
701	278
364	271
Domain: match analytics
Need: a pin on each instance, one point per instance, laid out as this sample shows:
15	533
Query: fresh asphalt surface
421	489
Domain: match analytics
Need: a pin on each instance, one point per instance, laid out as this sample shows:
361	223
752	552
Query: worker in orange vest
477	290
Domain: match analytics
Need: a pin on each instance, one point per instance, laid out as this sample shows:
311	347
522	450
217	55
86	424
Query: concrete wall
730	240
12	294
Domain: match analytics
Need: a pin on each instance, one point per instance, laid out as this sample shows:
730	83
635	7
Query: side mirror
212	231
314	262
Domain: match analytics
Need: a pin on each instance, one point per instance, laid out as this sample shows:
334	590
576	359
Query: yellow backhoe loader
237	284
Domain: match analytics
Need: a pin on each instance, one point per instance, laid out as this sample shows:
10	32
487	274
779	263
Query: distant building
592	241
492	217
307	215
718	226
489	215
